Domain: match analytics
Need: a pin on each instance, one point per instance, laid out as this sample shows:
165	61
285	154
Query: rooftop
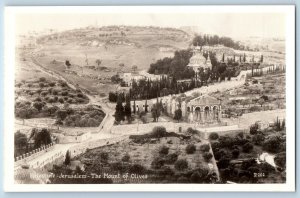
205	100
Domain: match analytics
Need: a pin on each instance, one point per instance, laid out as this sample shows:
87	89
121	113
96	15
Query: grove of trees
216	40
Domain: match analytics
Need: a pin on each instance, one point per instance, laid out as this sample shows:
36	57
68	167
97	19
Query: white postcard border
10	13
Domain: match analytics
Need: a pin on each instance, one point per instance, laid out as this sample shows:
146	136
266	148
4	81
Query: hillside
113	45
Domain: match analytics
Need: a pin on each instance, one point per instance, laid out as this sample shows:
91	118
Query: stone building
203	109
198	60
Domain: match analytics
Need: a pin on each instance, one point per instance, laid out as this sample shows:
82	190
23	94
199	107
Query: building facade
203	109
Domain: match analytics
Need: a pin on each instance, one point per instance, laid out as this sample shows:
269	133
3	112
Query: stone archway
206	113
188	109
197	113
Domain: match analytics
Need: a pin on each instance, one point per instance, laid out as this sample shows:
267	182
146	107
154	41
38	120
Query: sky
234	25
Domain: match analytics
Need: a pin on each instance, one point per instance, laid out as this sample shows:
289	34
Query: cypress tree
127	109
134	107
261	58
68	158
119	114
146	106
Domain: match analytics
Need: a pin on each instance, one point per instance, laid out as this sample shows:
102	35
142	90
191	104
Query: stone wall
34	153
135	129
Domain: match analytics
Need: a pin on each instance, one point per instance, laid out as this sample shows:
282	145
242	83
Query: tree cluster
123	112
216	40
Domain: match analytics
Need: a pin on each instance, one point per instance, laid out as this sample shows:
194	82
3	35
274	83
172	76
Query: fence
34	152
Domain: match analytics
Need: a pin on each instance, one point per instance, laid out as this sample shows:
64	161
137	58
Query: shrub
164	150
166	171
190	149
50	90
42	79
44	93
157	163
137	168
61	100
38	99
195	177
191	131
126	158
158	132
70	100
254	129
104	156
223	163
235	153
254	108
226	141
280	159
80	100
63	83
247	147
240	135
215	146
171	158
181	164
118	166
38	105
204	148
51	100
64	93
258	139
221	154
246	164
80	95
54	92
182	179
207	156
267	168
52	84
274	144
214	136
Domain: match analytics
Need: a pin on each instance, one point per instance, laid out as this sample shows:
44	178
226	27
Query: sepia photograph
170	98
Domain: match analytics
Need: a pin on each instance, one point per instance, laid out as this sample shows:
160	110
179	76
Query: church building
198	60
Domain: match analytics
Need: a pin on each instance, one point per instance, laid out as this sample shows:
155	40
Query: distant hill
130	45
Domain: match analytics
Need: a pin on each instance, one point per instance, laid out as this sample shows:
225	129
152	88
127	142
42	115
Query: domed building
198	61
